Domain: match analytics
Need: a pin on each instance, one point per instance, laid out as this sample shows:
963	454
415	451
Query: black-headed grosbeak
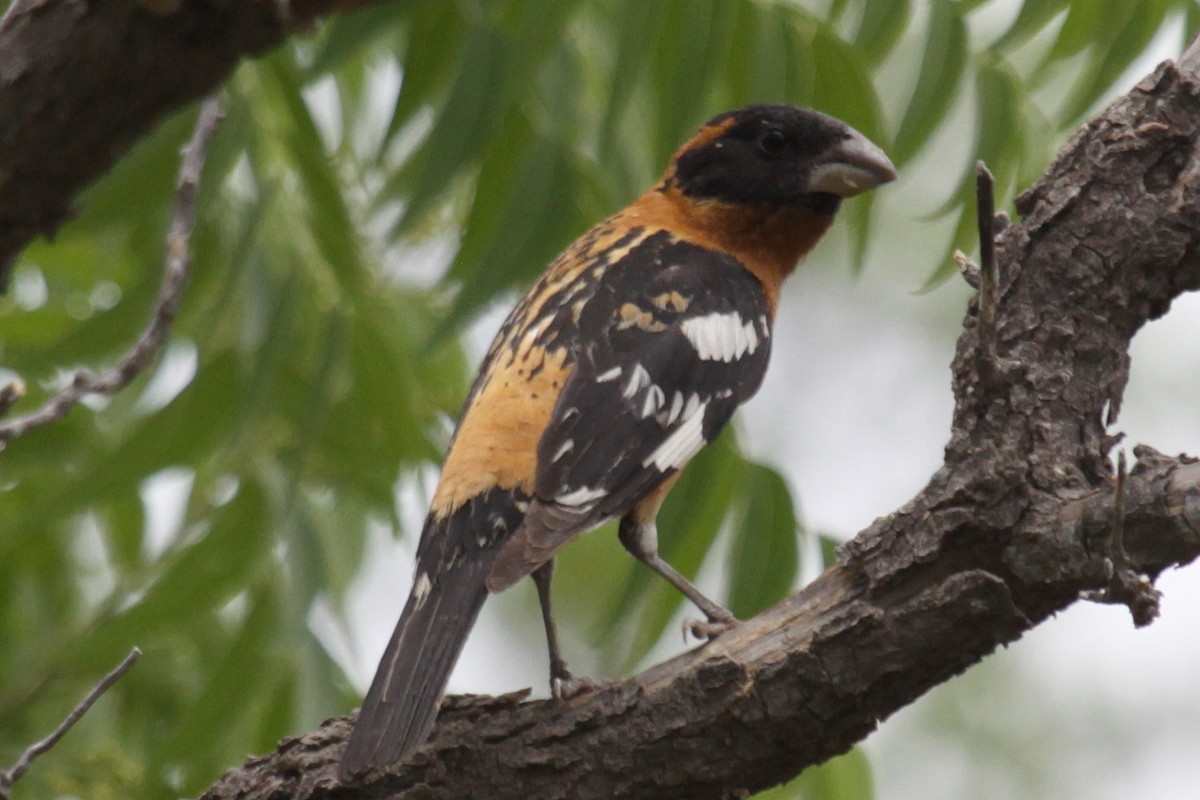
624	359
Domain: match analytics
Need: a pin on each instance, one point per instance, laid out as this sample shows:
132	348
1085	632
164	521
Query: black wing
673	340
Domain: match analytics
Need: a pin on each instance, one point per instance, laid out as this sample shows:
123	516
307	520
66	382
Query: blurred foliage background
376	190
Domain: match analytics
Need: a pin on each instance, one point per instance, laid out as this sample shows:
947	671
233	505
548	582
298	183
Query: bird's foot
707	630
566	686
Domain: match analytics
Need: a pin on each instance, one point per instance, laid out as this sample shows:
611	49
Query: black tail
402	703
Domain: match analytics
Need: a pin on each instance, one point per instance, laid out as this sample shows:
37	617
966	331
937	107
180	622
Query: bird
625	358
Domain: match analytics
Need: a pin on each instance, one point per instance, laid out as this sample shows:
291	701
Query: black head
778	155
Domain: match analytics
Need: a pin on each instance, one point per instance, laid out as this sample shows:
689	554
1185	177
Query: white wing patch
639	379
565	448
667	417
583	496
653	402
721	336
685	442
609	375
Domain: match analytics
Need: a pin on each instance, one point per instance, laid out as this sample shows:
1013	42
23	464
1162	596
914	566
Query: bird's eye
772	141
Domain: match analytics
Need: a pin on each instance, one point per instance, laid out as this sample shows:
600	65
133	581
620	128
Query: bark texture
81	81
1021	521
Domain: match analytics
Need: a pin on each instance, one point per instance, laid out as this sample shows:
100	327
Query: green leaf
124	529
964	238
842	85
463	127
103	335
135	198
942	69
1033	17
534	30
521	217
880	27
763	556
1111	56
837	10
999	140
1086	23
758	64
235	683
433	47
338	531
689	51
829	546
999	129
198	579
328	217
844	777
177	434
345	36
634	24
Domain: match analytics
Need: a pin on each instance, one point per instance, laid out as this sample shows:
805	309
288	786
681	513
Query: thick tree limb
1017	525
81	81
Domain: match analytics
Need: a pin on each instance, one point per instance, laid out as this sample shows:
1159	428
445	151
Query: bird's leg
563	685
641	540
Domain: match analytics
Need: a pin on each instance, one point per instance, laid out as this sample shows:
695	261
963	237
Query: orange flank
496	442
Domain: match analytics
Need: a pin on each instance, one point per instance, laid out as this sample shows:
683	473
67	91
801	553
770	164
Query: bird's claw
707	630
567	687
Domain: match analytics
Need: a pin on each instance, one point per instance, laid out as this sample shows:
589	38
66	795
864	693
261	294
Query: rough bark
81	81
1021	521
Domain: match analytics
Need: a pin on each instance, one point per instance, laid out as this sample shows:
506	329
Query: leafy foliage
320	348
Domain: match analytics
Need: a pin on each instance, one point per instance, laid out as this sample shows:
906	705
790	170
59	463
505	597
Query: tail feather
401	705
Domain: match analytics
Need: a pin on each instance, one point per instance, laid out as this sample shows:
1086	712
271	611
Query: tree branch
1017	525
66	64
175	275
7	779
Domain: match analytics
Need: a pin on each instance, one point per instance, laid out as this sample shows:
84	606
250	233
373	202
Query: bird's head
763	183
777	156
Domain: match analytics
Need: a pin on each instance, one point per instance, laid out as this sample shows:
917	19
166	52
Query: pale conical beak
852	166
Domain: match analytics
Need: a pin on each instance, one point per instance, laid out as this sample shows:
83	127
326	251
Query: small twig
967	268
985	212
175	274
10	394
1126	587
1119	556
7	779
